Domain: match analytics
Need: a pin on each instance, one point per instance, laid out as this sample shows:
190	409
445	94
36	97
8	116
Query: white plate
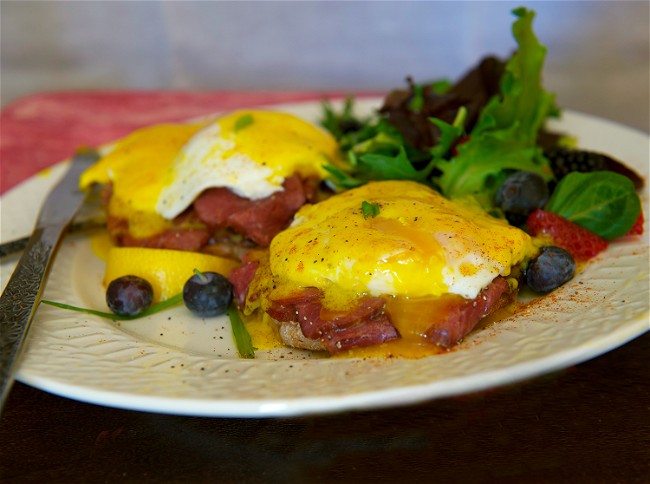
173	363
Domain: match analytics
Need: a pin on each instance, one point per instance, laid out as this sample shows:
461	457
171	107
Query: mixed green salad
467	138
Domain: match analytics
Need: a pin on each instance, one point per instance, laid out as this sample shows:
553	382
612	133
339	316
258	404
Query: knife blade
23	291
79	224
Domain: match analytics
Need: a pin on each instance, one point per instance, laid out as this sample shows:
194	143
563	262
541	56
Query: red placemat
40	130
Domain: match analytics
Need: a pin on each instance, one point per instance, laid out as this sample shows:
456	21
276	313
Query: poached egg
157	172
415	244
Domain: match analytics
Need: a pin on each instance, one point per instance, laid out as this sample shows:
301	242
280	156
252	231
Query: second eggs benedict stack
206	186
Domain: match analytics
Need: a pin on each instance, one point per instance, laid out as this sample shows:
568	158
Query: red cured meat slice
366	333
218	208
364	325
176	239
241	278
317	321
257	220
367	324
464	317
287	309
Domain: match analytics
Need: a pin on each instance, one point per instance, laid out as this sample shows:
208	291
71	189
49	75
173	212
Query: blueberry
207	294
520	194
129	295
550	269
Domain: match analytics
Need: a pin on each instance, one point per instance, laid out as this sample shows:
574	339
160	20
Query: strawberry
637	228
579	242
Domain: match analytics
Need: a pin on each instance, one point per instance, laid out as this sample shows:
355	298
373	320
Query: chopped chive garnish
240	333
243	121
369	209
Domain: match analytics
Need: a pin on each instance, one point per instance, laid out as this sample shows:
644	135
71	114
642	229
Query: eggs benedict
391	260
192	186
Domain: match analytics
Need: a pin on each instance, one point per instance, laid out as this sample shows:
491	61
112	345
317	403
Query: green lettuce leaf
504	138
602	202
377	151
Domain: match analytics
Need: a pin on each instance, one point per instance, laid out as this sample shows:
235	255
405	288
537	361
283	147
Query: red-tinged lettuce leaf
411	110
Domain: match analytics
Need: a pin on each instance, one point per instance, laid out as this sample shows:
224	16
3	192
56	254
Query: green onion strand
156	308
240	333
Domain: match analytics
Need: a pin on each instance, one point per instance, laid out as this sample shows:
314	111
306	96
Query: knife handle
19	301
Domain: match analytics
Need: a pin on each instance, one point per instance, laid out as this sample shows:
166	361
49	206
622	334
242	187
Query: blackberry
566	160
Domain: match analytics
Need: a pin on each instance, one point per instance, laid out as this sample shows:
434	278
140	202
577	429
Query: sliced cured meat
191	240
219	217
241	278
316	324
288	308
366	324
463	318
187	232
257	220
364	333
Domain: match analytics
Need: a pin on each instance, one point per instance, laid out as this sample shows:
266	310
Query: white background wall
598	59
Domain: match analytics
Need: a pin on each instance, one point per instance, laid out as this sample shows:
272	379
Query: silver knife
80	223
23	291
